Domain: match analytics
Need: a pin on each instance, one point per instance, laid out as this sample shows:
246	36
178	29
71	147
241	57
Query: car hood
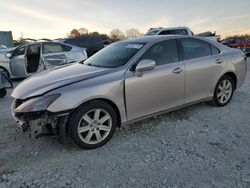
55	78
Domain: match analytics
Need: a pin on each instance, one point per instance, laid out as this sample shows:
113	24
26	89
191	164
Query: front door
159	89
18	62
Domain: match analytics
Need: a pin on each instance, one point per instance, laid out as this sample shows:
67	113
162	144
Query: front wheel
223	91
93	124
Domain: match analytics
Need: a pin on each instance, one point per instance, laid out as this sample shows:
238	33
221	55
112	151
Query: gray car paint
137	97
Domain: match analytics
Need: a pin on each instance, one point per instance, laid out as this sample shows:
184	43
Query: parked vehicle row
126	82
33	57
239	43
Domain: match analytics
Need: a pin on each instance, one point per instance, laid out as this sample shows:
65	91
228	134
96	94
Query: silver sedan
34	57
125	82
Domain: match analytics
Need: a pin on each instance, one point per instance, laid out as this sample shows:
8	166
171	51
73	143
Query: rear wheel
93	125
3	92
223	91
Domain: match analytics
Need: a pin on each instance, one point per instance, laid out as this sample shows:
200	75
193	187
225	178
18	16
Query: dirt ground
199	146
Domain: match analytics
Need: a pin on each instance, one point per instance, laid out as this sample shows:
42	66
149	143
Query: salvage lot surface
199	146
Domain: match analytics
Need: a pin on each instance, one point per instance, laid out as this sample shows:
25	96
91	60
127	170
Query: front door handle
219	61
177	70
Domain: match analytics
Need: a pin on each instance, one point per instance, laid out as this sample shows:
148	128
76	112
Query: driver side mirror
144	65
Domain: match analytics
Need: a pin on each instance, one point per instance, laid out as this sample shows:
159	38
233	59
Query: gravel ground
199	146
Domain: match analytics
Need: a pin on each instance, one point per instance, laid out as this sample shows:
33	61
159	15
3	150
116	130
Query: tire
93	124
218	99
3	92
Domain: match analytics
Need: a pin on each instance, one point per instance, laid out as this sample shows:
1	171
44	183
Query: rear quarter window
67	48
215	51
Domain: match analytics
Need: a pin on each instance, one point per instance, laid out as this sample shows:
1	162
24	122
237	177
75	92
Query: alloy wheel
224	91
94	126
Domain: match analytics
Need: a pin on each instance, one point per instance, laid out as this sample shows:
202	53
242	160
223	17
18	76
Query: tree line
114	35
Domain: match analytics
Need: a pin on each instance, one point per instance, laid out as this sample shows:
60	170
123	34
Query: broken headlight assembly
37	104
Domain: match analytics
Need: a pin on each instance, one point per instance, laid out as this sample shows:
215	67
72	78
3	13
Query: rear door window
194	48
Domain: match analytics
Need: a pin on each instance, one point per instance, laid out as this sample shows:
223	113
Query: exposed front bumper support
43	124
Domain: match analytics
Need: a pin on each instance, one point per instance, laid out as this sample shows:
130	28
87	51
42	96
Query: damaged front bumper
41	123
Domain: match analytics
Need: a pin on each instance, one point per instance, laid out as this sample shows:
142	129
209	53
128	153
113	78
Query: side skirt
166	111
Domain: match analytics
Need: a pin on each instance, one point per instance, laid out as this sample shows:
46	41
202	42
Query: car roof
41	42
155	38
158	38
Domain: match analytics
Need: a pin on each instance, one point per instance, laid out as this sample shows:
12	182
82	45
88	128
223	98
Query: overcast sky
53	19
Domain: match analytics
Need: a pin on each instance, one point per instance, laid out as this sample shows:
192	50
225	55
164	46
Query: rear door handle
177	70
219	61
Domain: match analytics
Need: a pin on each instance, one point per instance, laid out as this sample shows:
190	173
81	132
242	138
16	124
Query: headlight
37	104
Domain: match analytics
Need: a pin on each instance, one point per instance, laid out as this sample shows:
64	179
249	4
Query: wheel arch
108	101
233	76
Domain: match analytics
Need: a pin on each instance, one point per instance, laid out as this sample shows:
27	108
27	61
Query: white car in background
170	31
182	31
33	57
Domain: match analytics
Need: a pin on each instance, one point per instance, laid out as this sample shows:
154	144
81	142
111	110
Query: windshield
115	55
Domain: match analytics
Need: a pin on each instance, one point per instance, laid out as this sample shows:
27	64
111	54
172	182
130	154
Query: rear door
18	62
54	54
204	63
